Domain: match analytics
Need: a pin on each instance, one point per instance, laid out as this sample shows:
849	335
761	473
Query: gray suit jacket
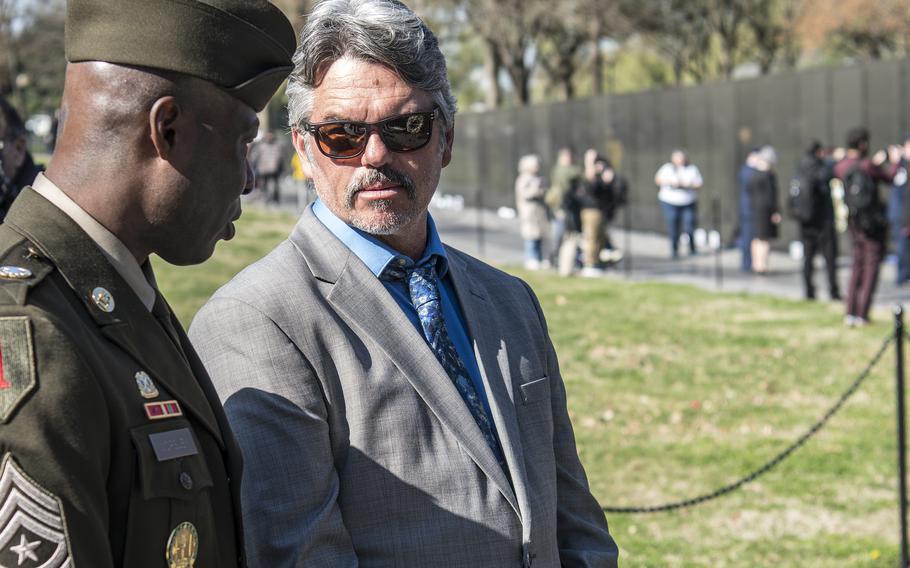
358	449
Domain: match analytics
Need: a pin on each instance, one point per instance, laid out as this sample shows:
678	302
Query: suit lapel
129	325
492	359
361	298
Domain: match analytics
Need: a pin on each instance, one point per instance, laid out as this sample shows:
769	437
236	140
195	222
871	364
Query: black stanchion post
627	239
901	435
718	265
481	244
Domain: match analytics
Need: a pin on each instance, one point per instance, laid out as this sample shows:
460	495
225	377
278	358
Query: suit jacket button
186	480
527	557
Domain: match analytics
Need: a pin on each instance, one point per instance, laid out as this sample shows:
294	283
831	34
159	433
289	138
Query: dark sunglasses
346	139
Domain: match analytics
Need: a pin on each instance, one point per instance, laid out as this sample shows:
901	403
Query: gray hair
385	32
768	154
529	164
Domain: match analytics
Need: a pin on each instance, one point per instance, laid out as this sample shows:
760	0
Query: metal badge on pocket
182	546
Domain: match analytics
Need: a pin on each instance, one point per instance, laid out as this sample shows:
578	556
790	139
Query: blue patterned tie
424	289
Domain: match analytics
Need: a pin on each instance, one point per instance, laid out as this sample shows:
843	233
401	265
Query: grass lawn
675	391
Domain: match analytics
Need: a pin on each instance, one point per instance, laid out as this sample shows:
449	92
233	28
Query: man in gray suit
397	402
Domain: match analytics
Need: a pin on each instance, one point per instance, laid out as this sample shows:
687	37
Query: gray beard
390	223
391	220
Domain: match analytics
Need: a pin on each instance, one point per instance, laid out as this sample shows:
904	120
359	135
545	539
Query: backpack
863	206
801	196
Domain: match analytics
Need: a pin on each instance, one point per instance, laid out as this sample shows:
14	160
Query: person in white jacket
679	182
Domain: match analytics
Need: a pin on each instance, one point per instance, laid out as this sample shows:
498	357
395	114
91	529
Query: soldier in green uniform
114	449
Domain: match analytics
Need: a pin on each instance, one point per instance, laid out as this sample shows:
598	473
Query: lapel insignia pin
182	546
15	273
103	299
146	387
163	409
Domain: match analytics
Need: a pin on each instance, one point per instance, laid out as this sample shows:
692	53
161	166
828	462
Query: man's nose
250	179
376	153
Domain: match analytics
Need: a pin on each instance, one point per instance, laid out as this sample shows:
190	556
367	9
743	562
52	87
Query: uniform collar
377	255
140	279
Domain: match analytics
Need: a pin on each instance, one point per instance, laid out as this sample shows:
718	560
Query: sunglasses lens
406	133
341	139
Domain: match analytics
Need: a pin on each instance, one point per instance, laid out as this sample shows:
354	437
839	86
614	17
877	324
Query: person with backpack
809	204
866	220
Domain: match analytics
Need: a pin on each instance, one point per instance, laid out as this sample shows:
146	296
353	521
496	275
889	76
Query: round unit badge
182	546
14	273
103	299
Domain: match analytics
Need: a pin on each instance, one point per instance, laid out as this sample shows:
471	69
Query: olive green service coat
82	483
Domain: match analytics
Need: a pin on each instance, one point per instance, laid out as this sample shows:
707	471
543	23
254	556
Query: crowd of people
575	208
576	205
824	180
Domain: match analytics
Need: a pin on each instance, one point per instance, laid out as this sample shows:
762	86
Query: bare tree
679	30
562	35
510	29
725	18
773	27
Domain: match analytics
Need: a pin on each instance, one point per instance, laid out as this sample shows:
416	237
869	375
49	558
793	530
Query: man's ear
305	165
447	153
164	123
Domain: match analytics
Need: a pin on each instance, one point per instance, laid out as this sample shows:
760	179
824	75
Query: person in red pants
867	224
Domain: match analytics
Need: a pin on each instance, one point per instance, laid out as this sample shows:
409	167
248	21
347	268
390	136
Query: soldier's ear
164	117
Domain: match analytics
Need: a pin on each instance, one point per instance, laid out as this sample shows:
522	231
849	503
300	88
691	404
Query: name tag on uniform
173	444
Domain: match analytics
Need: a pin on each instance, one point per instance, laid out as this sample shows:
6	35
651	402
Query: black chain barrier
770	464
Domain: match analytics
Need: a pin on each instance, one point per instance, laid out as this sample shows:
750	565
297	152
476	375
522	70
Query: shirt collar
376	254
140	280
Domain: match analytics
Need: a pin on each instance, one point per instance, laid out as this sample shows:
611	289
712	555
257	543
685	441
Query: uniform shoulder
22	267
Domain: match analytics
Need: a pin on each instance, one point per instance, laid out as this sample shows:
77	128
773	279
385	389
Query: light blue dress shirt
377	255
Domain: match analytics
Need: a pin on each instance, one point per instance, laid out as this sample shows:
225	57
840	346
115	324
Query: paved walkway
496	239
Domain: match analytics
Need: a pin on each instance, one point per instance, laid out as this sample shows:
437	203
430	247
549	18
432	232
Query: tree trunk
597	59
568	88
597	68
520	82
491	67
678	65
728	62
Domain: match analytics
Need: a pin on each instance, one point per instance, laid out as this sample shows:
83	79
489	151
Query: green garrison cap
243	46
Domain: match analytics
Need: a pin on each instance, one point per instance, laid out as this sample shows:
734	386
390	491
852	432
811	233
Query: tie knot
398	270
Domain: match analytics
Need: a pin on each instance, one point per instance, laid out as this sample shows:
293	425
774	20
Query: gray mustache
382	174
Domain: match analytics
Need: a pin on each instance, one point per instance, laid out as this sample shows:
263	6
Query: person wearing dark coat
765	217
115	450
744	238
818	233
17	168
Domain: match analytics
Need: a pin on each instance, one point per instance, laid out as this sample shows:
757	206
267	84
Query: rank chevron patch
32	527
